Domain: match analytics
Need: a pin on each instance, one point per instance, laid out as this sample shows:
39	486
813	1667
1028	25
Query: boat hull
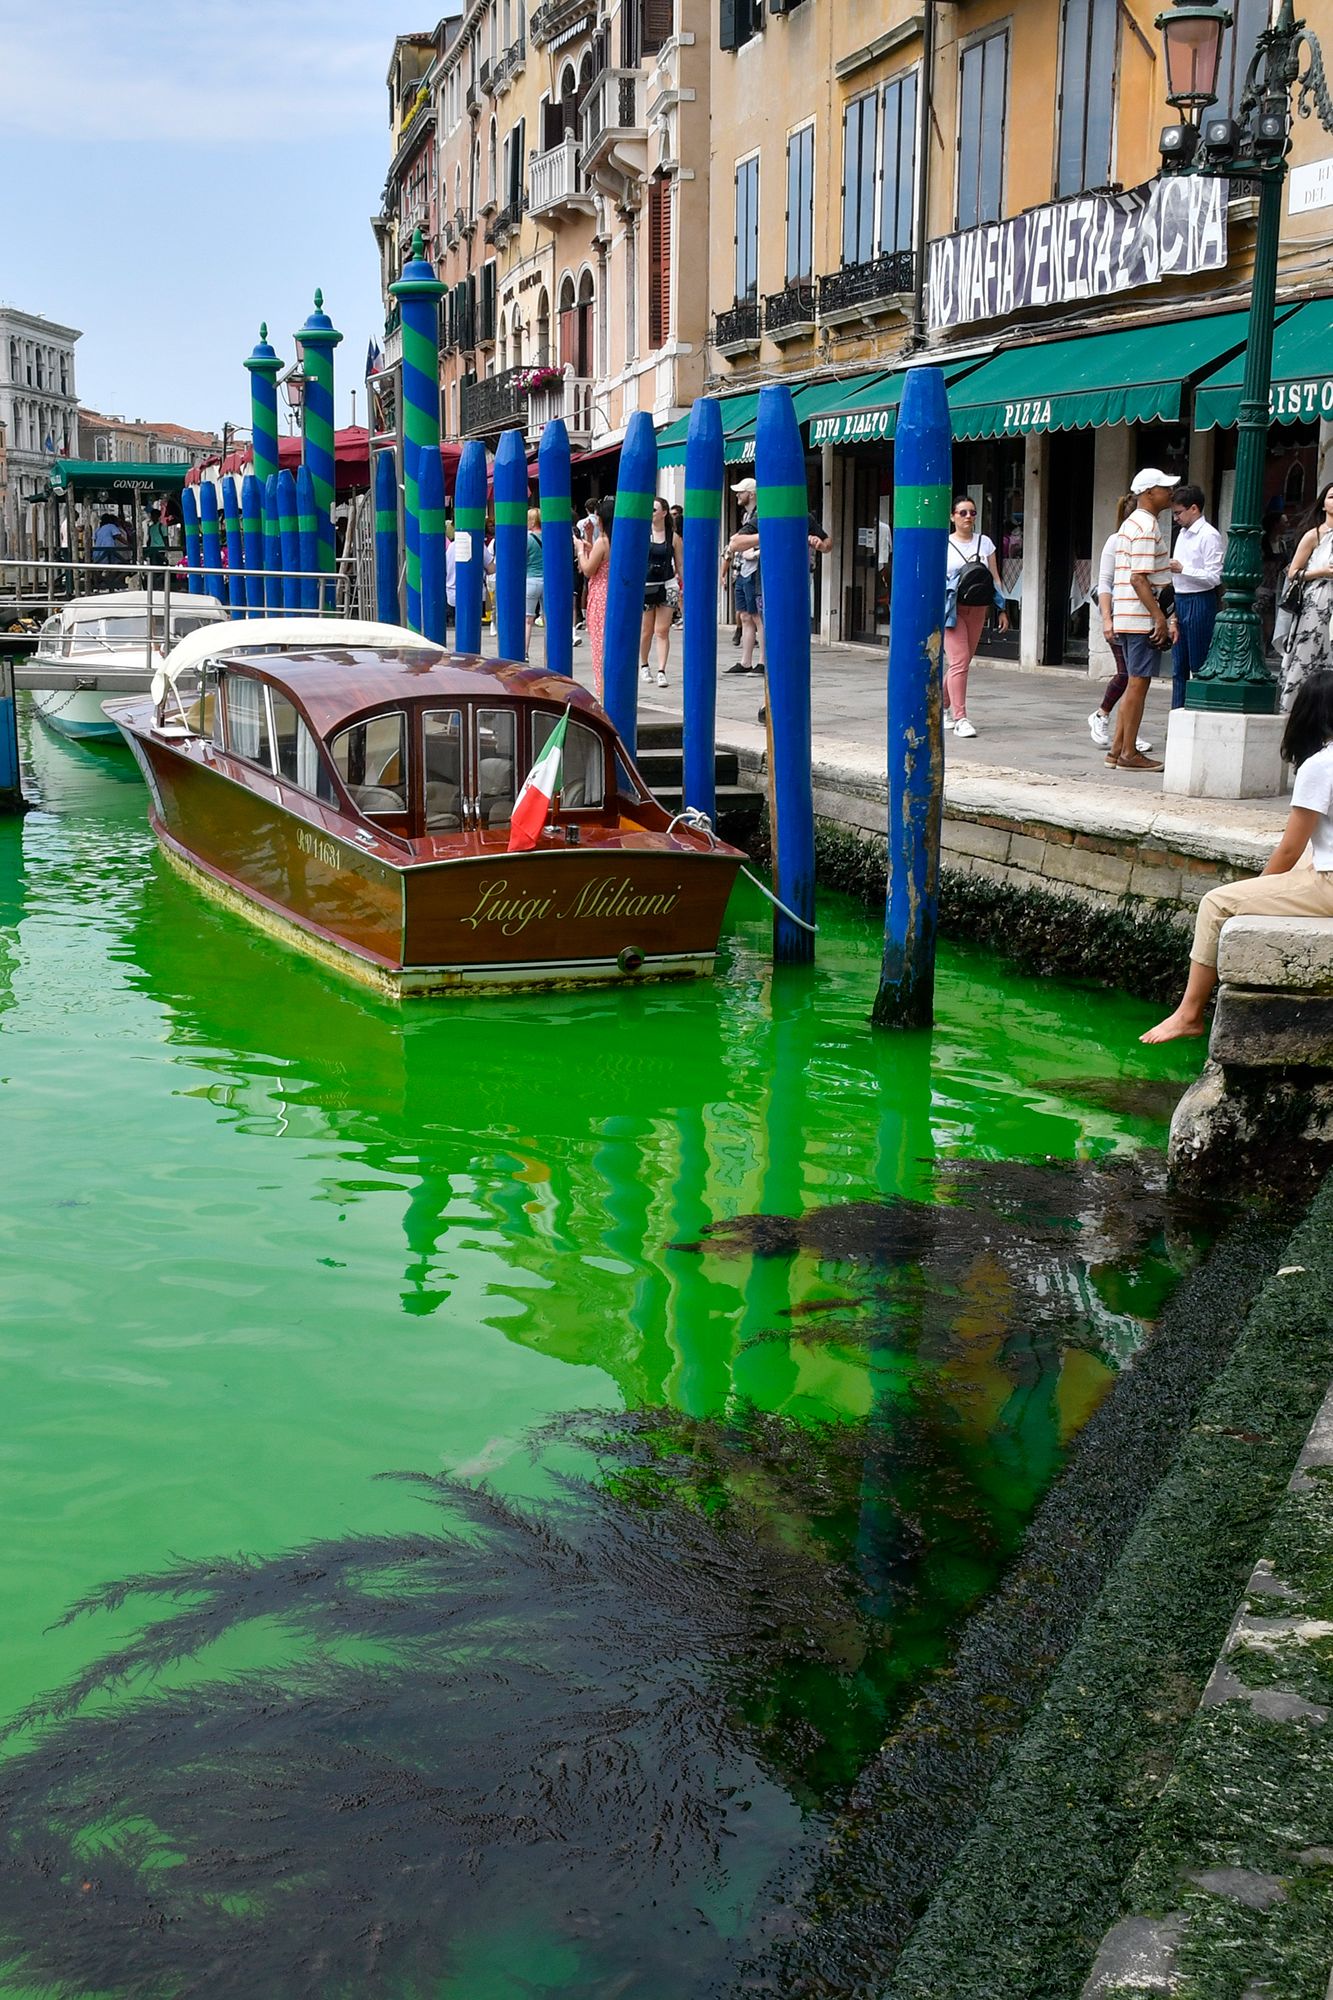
77	713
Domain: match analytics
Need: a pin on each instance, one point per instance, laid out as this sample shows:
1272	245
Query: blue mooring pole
231	515
272	547
784	565
190	529
469	545
704	472
557	547
252	519
11	795
289	538
433	545
386	540
511	544
628	576
208	531
307	540
922	471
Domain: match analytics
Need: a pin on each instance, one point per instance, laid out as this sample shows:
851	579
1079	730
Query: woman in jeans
961	639
1099	721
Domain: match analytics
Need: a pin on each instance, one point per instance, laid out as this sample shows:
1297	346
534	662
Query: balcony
865	291
499	401
511	64
484	75
790	314
737	331
615	129
556	16
473	100
555	183
570	396
506	222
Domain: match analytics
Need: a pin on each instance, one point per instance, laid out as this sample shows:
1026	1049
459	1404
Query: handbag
1293	596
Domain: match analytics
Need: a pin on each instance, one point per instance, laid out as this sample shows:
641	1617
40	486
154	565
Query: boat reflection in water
350	787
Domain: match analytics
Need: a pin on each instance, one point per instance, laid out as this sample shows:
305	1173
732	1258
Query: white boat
95	635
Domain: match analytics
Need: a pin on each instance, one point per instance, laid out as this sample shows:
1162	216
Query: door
1071	582
867	565
992	471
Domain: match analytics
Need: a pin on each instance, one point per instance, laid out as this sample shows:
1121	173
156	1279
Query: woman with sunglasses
963	622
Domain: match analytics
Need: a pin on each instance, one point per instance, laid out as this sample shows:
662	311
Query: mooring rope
699	822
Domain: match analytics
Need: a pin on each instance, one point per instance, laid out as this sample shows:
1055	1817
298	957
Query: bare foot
1175	1027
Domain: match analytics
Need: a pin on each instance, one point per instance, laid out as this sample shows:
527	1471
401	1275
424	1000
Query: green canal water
688	1501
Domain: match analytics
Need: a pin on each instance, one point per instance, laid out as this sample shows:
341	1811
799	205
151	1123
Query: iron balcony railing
490	405
739	327
861	287
612	105
789	310
548	20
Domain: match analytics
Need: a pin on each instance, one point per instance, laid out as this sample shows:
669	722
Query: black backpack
974	583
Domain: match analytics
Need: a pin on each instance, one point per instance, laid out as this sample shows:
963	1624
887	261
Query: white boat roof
121	601
248	635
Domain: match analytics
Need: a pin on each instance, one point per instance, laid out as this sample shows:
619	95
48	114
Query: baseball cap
1151	476
744	486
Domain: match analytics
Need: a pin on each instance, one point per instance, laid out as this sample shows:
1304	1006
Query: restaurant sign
1093	247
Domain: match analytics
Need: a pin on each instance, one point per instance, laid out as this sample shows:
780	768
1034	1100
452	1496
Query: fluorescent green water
264	1239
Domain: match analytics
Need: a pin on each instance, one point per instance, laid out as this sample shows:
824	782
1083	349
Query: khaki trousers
1303	892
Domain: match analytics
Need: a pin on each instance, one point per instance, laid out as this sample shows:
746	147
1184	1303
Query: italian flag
539	789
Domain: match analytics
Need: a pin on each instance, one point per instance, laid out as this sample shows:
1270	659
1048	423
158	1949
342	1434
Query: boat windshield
371	759
128	628
583	767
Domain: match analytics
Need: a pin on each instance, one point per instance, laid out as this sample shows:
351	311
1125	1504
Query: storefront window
992	471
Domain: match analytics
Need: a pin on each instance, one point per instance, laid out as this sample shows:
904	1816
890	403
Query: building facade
39	415
126	441
993	202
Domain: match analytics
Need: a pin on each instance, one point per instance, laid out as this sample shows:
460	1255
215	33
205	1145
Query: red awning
351	451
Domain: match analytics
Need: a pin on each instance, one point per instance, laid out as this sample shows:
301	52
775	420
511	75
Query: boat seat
499	815
442	803
377	799
495	788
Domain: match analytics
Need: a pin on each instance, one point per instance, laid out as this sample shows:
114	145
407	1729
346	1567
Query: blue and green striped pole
289	535
231	514
307	540
265	368
418	292
252	517
628	576
386	540
557	547
511	544
272	547
469	545
208	533
190	530
704	472
922	474
434	546
784	565
318	338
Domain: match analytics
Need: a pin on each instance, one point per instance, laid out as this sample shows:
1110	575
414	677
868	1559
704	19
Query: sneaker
1099	726
1142	745
963	727
740	668
661	678
1137	762
646	672
763	714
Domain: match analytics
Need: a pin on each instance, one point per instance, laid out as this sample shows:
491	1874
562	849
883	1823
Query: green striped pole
317	340
703	521
418	293
264	367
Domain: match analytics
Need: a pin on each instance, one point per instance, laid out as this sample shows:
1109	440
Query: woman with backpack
972	586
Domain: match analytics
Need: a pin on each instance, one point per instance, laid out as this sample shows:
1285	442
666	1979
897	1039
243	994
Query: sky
175	172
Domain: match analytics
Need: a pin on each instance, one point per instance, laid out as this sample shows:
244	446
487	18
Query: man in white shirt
1196	565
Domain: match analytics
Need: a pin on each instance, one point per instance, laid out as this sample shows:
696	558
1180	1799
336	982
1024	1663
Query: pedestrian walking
972	588
742	553
1099	722
1289	886
532	585
1142	573
594	552
1309	596
661	591
1196	565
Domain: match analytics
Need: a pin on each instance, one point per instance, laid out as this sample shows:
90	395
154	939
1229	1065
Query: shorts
1142	659
747	594
654	597
533	595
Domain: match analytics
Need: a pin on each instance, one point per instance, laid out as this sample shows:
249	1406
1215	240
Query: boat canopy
100	479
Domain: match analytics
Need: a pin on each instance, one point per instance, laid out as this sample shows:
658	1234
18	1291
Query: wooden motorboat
349	787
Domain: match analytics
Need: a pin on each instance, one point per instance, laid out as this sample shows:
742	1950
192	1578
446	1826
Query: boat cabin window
496	734
371	759
442	743
247	719
295	752
583	780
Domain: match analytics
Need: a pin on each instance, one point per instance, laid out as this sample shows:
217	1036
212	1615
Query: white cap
744	486
1152	475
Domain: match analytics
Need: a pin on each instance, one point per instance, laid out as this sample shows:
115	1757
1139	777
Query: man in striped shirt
1142	571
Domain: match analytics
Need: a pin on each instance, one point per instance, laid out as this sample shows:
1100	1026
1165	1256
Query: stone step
660	735
664	767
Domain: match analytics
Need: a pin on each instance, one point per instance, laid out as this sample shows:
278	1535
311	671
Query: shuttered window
659	260
859	122
658	24
898	163
1087	95
983	87
737	21
488	300
800	206
747	230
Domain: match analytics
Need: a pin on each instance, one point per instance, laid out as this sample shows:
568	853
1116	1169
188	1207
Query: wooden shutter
659	24
659	260
727	36
630	16
569	338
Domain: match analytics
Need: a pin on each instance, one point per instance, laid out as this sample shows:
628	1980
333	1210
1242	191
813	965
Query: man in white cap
742	552
1142	572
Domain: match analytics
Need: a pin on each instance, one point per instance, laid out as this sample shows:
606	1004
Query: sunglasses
964	510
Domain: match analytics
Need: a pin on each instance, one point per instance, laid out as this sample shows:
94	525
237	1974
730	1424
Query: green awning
1135	375
1302	379
740	413
865	411
103	479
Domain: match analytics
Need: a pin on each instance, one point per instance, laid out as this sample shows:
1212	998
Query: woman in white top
1287	887
1308	648
963	635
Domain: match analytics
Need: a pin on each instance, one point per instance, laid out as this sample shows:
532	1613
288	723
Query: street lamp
293	388
1252	146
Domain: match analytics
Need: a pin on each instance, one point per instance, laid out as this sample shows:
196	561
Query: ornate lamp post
1252	147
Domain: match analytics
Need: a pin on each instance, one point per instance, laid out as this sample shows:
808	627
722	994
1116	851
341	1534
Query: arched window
518	340
41	371
458	189
543	329
13	361
474	192
491	166
569	101
502	359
